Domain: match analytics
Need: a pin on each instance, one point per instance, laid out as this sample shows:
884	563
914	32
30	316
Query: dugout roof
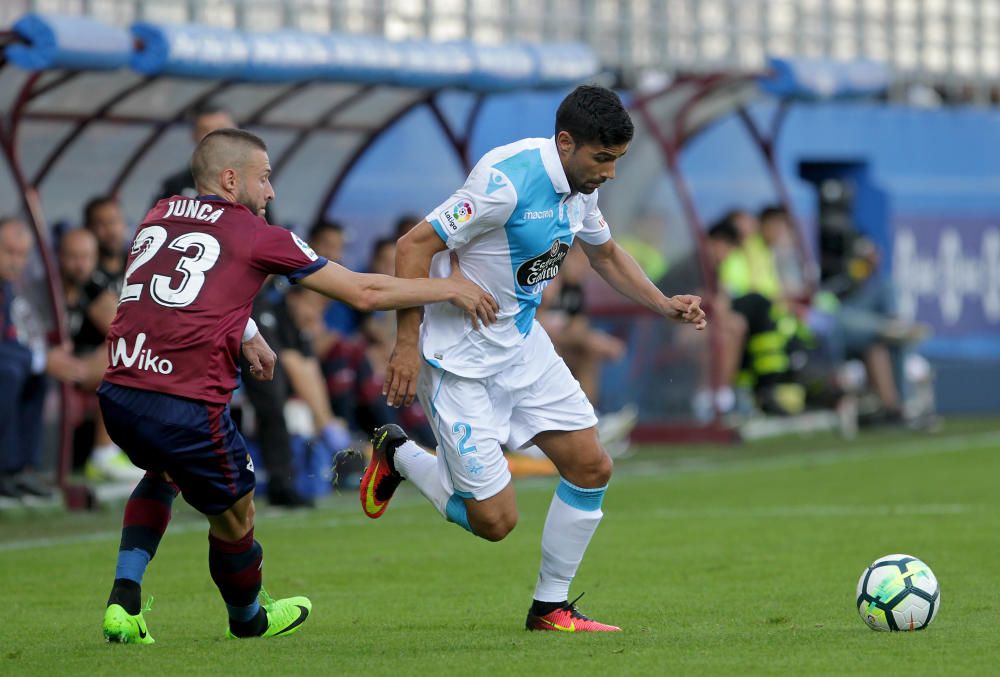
92	108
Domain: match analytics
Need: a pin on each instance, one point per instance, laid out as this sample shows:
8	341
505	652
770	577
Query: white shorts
473	418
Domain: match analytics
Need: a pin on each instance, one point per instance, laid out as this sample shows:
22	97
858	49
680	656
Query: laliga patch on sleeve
306	249
457	215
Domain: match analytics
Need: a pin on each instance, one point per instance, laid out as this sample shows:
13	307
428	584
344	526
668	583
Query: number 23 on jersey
192	266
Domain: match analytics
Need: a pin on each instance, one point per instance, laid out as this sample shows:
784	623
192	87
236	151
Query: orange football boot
567	618
381	479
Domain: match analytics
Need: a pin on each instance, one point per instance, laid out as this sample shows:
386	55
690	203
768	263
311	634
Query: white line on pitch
830	456
793	511
634	470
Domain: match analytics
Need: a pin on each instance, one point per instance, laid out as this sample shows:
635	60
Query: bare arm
414	252
621	271
367	292
307	382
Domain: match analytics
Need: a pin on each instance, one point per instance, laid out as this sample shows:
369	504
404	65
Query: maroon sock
236	569
147	515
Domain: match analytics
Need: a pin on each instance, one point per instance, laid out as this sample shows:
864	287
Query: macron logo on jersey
533	215
143	360
192	209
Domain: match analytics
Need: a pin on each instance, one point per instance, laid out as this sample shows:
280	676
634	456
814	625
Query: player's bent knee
595	473
236	522
494	525
495	530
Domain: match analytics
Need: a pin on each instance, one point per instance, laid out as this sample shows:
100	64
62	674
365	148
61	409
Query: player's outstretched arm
621	271
368	291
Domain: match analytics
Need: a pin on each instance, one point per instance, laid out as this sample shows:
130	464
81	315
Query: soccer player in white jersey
511	225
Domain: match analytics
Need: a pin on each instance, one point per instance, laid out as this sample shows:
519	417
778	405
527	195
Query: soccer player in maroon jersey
194	268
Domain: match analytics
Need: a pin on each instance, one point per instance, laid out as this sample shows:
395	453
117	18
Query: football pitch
714	560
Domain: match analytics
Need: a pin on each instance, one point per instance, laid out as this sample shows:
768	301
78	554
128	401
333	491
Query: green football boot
284	616
122	627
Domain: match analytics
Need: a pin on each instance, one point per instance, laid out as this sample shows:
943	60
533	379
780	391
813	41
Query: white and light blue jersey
511	224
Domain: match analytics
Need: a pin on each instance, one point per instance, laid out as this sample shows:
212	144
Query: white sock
104	453
416	465
725	399
573	517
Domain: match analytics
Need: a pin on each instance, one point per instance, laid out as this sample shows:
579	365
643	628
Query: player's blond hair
220	150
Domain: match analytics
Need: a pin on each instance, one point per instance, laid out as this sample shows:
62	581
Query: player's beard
244	199
579	183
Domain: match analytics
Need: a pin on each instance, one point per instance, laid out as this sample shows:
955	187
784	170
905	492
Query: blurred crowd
798	336
326	394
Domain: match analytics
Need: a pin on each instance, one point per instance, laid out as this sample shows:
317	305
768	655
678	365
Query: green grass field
714	560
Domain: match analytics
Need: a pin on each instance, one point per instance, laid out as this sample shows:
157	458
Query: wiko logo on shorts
143	360
541	268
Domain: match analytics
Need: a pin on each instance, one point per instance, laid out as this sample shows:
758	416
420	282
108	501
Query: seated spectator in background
379	328
340	320
742	280
24	362
860	307
794	278
583	348
90	308
354	366
103	217
748	267
327	237
852	316
296	374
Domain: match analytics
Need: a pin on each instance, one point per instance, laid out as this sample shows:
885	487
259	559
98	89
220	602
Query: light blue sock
455	512
243	614
132	564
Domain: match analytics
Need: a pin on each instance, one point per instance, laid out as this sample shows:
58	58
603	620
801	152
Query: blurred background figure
297	394
25	361
90	309
354	360
339	319
856	311
103	217
748	286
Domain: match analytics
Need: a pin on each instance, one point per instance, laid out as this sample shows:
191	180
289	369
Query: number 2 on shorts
465	430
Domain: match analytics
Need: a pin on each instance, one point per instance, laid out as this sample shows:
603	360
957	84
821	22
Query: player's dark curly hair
593	114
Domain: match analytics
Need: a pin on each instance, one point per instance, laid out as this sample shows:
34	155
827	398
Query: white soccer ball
898	592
